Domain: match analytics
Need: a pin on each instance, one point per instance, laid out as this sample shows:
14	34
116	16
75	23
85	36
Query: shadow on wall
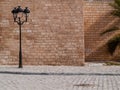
95	44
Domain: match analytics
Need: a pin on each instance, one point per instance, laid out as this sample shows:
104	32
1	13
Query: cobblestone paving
60	78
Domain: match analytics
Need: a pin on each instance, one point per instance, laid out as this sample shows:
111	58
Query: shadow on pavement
64	74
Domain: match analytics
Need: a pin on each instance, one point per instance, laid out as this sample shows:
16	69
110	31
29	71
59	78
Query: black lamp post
18	14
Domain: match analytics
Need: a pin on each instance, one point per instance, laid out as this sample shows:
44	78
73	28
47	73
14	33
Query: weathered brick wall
97	19
53	34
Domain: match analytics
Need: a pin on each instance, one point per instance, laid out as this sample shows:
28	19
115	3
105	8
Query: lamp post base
20	67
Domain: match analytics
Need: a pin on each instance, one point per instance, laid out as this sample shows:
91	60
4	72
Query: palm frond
116	13
117	2
115	6
112	43
110	30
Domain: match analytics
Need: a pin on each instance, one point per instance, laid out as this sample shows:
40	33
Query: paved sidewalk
89	77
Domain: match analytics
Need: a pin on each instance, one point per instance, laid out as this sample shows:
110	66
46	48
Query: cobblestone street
60	78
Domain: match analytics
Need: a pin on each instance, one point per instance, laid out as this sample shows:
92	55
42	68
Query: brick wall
97	19
53	34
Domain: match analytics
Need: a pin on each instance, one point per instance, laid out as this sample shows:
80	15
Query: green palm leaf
116	13
112	43
117	2
110	30
115	6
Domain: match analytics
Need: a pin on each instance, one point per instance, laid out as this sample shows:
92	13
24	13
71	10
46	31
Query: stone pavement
89	77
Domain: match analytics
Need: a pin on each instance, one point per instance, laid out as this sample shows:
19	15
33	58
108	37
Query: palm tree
115	41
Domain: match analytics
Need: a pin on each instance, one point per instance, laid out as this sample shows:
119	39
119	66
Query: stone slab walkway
89	77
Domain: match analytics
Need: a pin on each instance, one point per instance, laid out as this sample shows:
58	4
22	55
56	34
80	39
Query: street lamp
18	14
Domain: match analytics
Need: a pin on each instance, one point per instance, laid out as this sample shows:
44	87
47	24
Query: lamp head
26	10
14	11
19	9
